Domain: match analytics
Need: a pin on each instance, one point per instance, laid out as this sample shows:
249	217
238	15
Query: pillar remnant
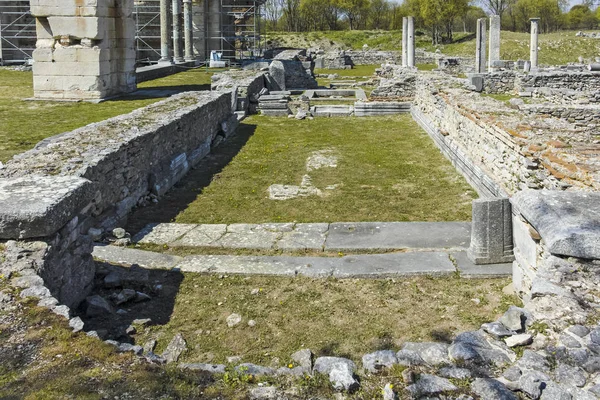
83	52
188	27
480	64
165	57
177	50
533	45
410	42
494	53
404	40
491	232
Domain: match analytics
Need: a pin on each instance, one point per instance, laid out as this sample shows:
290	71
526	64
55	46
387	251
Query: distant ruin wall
543	82
72	186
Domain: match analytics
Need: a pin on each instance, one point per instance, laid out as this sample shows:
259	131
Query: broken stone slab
212	368
162	233
38	206
379	360
432	353
491	389
428	385
568	222
304	237
468	269
174	349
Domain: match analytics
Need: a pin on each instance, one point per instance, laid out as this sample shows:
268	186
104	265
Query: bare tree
273	11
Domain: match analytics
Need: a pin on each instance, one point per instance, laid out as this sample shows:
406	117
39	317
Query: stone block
42	55
38	206
80	27
568	222
491	233
477	81
73	68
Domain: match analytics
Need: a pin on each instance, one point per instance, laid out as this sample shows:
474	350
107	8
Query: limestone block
80	27
42	29
65	54
93	54
491	235
568	222
43	54
71	68
38	206
66	10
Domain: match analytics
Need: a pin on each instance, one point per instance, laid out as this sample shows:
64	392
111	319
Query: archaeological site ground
189	212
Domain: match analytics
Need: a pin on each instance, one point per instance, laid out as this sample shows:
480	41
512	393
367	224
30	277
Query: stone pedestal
410	42
480	64
404	40
83	52
491	233
533	45
494	53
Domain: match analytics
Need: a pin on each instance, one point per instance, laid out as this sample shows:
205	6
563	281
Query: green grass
388	170
337	317
25	123
555	48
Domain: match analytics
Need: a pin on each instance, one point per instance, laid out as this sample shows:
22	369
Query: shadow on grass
153	297
187	190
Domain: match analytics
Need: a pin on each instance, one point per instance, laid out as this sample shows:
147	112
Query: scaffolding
17	32
230	27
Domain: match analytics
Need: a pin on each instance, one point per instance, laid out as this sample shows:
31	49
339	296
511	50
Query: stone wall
499	82
72	187
584	81
83	50
572	113
340	59
245	86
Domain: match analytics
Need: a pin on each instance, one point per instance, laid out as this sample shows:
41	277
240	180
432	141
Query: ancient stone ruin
535	166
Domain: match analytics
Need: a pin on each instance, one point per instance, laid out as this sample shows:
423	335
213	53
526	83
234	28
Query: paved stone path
351	266
336	237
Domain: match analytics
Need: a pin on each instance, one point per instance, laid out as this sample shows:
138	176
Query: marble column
480	64
188	26
404	40
164	32
177	50
494	54
410	41
533	45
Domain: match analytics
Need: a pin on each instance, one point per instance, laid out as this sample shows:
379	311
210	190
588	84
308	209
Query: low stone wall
556	267
157	71
499	82
585	81
340	59
72	187
575	114
247	85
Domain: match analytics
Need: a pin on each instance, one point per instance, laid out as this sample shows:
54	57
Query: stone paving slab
315	236
363	266
359	266
125	256
398	235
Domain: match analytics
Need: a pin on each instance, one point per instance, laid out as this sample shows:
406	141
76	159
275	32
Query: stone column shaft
491	232
164	31
188	26
410	41
494	54
480	64
177	50
533	45
404	40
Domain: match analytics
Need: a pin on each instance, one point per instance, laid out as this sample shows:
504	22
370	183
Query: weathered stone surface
496	329
379	360
174	349
289	74
473	347
518	340
324	365
432	353
577	234
98	306
38	206
303	358
233	320
409	358
455	373
263	393
491	235
491	389
570	375
428	385
532	383
253	369
341	377
513	319
212	368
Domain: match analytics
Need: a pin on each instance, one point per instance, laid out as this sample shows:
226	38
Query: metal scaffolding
17	32
230	27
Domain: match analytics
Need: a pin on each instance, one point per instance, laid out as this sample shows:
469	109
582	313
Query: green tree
355	11
581	17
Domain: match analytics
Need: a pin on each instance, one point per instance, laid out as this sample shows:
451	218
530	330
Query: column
533	45
177	50
494	54
188	26
164	32
480	63
404	40
410	41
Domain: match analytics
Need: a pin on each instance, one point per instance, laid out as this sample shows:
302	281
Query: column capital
534	19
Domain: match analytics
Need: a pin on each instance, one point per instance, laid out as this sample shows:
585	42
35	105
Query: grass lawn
388	170
25	123
43	359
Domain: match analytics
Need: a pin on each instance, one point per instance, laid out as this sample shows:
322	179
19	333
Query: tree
379	13
355	11
273	10
581	17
